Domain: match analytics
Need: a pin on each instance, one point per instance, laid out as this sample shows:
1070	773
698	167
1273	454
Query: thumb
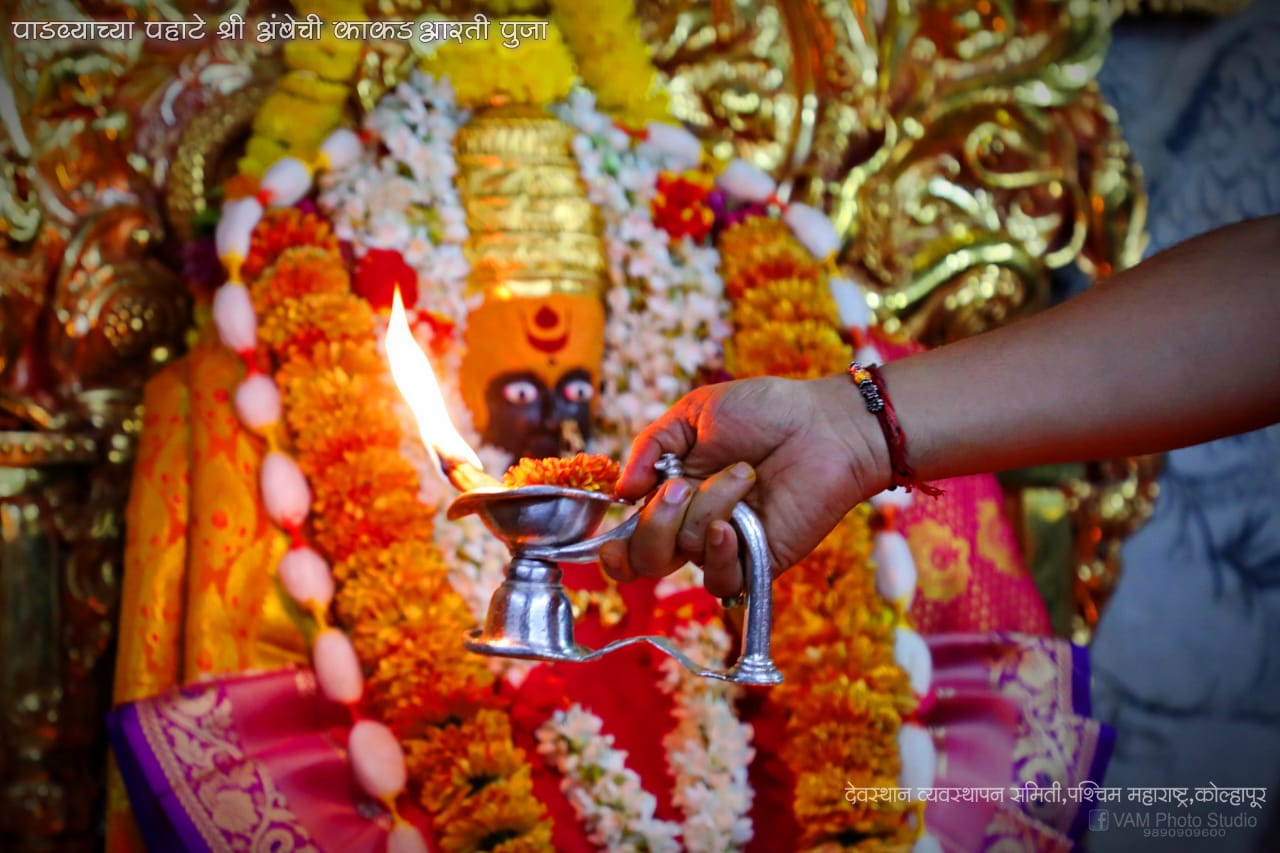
673	432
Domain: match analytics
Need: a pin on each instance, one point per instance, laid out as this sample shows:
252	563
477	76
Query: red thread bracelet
875	394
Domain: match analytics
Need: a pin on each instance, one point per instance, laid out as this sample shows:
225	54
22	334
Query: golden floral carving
942	558
995	542
205	143
1108	505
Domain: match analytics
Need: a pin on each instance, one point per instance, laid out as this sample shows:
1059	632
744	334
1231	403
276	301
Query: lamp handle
755	666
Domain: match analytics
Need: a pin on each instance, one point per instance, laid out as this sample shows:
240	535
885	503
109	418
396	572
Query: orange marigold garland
286	228
328	418
295	272
366	500
784	317
761	250
844	694
393	595
294	327
592	472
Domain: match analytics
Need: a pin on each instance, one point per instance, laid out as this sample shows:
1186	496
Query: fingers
721	568
714	500
683	523
674	432
613	559
707	534
652	550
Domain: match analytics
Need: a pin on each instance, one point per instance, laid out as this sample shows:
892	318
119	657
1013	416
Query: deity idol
533	346
573	260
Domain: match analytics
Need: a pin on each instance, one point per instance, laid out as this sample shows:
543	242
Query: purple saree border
1081	694
147	786
1082	703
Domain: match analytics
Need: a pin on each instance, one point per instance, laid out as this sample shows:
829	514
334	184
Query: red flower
680	205
442	328
689	605
378	274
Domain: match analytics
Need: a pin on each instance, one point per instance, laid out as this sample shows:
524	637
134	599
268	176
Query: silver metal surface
530	616
534	518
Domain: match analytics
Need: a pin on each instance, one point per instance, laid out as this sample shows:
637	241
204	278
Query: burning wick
417	383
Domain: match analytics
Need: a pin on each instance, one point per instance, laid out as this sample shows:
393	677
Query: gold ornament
962	151
534	232
205	144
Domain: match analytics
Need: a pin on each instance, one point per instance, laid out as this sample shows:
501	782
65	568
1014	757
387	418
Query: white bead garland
895	567
235	228
306	577
405	838
340	150
234	318
257	402
868	354
919	758
911	654
377	759
813	228
337	667
681	147
851	303
746	182
285	493
926	843
286	182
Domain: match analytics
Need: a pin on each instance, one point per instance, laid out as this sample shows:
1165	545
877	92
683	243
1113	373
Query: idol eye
520	393
578	391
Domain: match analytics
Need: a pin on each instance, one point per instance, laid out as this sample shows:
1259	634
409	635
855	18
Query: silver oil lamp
530	615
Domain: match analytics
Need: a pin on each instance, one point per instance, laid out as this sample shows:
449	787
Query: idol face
530	372
528	418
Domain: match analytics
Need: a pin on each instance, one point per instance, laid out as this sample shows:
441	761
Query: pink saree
257	762
253	762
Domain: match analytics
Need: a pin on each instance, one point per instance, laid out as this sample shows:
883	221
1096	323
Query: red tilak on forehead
545	322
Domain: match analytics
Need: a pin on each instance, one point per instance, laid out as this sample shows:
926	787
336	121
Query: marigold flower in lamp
590	471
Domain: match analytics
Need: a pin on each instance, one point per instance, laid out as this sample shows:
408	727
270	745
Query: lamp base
748	670
505	647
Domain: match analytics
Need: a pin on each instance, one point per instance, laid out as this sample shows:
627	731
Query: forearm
1182	349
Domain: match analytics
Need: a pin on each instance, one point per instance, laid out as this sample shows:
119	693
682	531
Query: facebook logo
1099	820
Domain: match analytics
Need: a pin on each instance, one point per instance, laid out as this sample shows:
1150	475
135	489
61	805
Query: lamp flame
417	383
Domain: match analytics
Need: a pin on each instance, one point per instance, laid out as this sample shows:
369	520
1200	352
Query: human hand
801	453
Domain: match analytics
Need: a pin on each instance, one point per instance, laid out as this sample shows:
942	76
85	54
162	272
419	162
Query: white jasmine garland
666	305
709	750
666	311
688	576
616	811
404	198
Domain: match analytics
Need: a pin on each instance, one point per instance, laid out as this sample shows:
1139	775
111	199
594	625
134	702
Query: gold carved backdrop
961	148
